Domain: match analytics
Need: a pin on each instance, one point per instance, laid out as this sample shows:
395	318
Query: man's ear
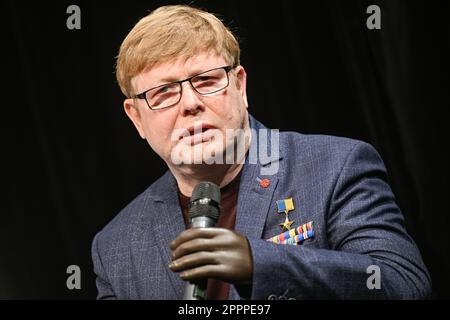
241	76
132	111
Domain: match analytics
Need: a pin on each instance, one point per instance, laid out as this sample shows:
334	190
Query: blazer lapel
254	200
168	224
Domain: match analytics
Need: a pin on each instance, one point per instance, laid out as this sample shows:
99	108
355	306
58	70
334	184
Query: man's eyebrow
170	79
167	79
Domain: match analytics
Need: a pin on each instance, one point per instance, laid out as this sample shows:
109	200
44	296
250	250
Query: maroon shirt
216	289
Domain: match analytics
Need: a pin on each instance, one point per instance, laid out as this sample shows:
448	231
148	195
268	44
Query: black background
72	160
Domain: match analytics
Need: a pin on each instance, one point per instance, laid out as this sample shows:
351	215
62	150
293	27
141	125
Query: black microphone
204	210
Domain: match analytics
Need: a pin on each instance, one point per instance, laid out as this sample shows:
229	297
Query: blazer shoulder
318	146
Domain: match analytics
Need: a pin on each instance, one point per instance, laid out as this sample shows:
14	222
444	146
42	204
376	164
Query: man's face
195	123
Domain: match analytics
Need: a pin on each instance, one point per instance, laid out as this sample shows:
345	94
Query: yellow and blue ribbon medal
284	206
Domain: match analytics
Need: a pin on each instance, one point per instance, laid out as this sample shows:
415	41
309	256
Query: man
315	220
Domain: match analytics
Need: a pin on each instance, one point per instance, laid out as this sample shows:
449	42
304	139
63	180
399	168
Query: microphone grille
205	201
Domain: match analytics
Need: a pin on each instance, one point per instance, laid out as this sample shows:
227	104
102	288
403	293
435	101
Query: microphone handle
197	290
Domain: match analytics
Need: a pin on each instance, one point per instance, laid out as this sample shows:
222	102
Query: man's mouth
193	131
198	133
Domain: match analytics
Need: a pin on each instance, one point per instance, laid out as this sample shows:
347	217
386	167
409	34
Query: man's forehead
177	69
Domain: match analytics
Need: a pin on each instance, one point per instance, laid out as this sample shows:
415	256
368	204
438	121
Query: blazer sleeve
365	230
105	290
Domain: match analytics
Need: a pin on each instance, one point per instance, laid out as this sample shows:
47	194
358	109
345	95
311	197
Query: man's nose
190	102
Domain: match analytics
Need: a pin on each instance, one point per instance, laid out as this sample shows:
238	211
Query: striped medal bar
294	236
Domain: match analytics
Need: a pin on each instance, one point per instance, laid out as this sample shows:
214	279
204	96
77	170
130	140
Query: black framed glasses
169	94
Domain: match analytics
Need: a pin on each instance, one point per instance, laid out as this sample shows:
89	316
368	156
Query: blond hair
171	32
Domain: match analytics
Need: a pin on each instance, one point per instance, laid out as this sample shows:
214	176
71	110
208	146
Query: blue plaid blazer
337	183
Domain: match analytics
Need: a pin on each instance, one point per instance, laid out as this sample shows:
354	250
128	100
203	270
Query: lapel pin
264	183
